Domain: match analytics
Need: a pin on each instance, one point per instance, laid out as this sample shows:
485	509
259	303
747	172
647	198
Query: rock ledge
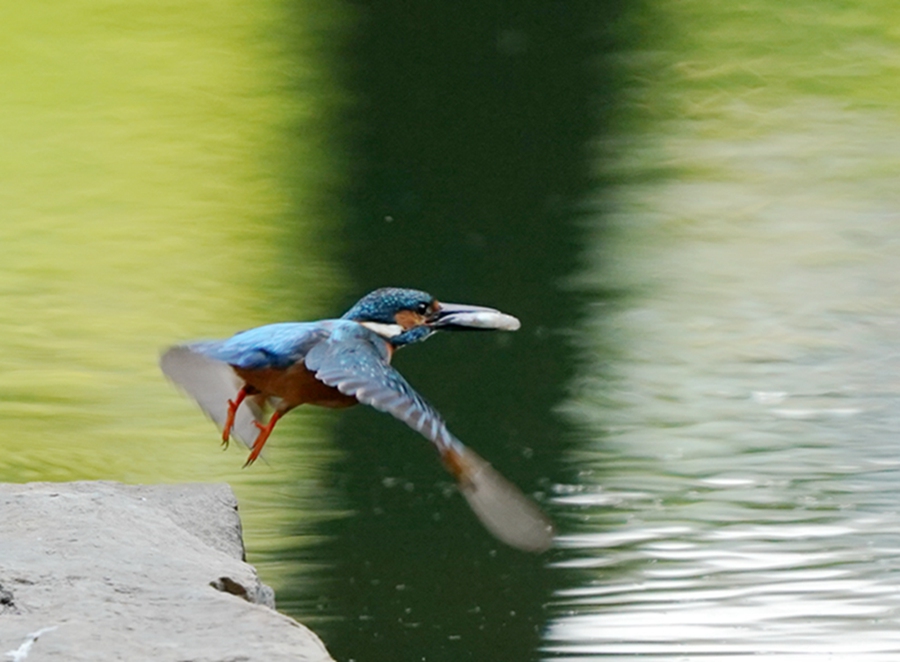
103	571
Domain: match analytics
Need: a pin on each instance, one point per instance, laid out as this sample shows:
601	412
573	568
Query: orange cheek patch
407	319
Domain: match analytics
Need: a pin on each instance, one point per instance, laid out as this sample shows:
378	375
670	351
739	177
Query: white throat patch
384	330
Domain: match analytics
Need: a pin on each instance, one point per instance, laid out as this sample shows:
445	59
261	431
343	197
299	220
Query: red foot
264	432
232	410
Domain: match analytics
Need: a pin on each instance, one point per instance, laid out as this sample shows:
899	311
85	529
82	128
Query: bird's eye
422	308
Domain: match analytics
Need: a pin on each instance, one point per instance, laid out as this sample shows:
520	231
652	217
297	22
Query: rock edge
105	571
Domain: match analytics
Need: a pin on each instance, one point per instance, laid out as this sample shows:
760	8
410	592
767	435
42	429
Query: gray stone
102	571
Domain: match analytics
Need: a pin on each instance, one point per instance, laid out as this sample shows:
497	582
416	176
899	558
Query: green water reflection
145	201
171	174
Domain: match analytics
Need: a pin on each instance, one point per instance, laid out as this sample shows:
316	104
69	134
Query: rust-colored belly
294	386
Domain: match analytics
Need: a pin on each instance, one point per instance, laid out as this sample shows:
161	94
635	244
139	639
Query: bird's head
403	316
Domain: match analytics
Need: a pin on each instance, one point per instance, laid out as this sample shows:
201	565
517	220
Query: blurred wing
212	383
502	508
355	367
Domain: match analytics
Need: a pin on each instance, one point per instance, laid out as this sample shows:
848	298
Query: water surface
738	381
692	208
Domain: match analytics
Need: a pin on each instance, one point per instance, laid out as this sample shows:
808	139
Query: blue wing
270	346
356	363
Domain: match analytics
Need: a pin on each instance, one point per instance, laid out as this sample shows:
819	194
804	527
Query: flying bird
339	362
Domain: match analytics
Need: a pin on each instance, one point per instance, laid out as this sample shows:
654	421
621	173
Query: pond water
692	208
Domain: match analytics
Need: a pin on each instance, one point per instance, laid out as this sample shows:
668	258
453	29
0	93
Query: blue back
271	346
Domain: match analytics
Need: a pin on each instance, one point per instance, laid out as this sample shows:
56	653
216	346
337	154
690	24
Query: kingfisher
340	362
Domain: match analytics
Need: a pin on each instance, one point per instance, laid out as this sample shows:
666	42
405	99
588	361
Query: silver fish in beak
463	317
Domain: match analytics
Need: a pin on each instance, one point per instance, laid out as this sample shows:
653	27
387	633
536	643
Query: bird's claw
232	412
262	438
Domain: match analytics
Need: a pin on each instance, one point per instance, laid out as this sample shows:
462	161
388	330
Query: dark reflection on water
469	163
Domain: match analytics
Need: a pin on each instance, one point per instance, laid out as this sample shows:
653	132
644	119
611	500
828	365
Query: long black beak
463	317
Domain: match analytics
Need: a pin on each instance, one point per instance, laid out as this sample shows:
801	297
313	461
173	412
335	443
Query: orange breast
295	386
